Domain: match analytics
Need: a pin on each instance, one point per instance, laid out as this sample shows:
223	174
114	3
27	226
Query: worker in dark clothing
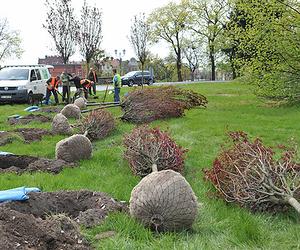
52	88
76	80
92	76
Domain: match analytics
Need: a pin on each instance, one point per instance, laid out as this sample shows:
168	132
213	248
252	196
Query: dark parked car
135	77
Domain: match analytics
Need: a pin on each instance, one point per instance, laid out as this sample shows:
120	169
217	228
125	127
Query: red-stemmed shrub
149	104
147	147
98	124
250	174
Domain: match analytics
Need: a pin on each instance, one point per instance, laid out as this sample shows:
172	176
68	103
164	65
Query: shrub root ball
71	111
80	103
74	148
164	201
60	125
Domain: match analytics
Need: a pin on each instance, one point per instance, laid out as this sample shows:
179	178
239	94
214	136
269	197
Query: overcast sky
27	16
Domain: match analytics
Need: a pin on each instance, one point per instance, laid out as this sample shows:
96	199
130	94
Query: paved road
103	87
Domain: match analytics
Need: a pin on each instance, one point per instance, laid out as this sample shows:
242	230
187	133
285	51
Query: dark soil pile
87	208
29	118
22	163
24	231
51	109
28	224
33	134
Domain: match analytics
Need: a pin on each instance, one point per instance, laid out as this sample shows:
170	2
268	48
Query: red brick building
58	66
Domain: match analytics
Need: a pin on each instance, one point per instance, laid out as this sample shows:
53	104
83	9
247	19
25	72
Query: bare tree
193	53
169	24
139	38
90	32
207	21
62	27
10	41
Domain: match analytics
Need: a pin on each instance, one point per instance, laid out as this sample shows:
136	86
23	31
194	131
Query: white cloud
29	16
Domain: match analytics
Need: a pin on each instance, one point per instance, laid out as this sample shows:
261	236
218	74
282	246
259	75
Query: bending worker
52	85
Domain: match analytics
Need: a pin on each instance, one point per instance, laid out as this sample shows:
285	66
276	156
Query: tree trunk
213	67
294	203
178	65
142	74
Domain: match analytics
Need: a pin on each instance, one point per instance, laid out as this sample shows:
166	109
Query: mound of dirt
22	163
32	134
29	118
23	231
51	109
8	137
87	208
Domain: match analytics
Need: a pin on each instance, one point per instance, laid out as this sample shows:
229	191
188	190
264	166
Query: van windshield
14	74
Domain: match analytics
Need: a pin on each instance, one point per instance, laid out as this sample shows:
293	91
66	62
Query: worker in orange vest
86	85
52	87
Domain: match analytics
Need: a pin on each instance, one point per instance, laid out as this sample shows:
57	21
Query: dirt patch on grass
51	109
29	118
32	134
28	224
23	231
8	137
22	163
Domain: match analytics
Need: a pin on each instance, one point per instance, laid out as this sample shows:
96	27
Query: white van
19	82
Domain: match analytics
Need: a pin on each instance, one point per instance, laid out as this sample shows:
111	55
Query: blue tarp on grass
17	194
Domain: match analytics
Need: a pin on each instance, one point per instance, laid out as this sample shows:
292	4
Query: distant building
58	66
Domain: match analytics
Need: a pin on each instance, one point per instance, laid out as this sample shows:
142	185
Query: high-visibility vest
53	83
117	81
86	83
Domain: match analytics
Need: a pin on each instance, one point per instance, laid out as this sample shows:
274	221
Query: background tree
160	68
10	42
139	38
98	59
90	32
271	38
62	26
169	24
193	53
208	21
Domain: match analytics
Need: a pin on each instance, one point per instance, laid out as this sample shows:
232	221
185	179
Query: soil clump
29	118
50	220
23	163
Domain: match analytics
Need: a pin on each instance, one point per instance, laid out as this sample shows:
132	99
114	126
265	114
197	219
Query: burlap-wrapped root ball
71	111
80	103
164	201
60	125
74	148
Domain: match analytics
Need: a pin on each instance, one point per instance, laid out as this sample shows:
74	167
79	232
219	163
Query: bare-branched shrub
146	147
149	104
249	174
98	124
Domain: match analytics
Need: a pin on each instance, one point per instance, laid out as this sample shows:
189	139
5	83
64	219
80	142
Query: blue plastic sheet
5	153
32	109
17	194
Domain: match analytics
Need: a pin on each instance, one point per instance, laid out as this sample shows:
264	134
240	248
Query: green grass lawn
202	131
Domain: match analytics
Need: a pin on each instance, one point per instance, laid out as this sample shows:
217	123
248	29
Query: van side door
45	76
33	82
39	82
